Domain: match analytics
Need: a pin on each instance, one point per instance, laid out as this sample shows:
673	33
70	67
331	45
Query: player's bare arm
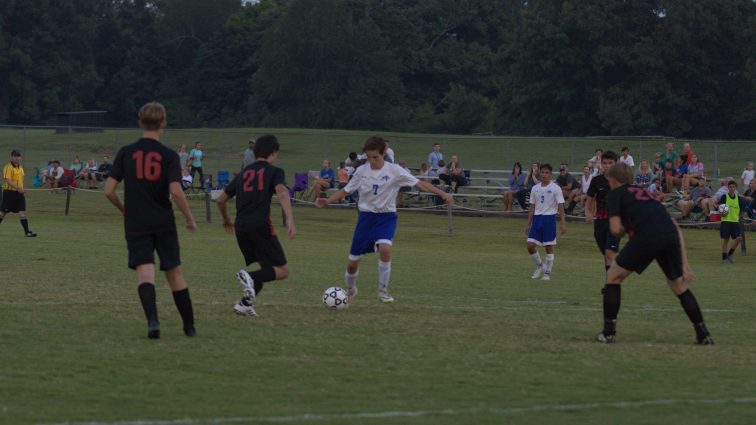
590	208
177	193
336	197
447	197
531	213
110	192
562	220
688	275
283	197
228	224
615	226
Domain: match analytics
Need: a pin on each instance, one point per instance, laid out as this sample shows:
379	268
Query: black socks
184	305
265	274
730	252
147	297
25	224
612	296
690	305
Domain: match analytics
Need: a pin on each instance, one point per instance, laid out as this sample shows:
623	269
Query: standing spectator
516	183
695	173
546	201
196	156
626	158
532	178
748	173
76	166
670	154
249	153
14	197
183	157
389	155
570	187
729	228
54	174
435	156
644	176
152	177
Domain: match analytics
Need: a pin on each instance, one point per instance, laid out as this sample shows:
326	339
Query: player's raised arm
447	197
177	193
283	197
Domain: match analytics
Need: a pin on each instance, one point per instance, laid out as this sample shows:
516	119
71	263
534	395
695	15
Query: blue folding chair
223	179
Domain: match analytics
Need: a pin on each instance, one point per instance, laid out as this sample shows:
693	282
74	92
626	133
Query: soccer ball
335	298
724	209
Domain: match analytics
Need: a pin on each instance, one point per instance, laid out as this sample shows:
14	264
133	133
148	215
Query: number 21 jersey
254	187
147	168
640	212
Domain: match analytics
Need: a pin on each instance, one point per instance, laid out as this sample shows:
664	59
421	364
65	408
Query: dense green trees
548	67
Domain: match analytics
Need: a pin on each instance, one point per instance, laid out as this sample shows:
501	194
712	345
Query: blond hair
152	116
622	172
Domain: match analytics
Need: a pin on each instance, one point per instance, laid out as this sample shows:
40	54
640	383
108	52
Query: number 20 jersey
147	168
254	187
641	213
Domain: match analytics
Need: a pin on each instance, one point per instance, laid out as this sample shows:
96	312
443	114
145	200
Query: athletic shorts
13	202
142	249
543	230
729	229
372	229
604	237
261	245
640	251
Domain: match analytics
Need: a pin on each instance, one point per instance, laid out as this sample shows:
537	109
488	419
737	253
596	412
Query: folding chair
223	180
69	179
300	185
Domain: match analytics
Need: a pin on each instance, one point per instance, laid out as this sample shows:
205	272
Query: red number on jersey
149	167
249	176
641	194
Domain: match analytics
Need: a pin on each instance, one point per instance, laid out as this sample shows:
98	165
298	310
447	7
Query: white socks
549	263
537	259
350	279
384	275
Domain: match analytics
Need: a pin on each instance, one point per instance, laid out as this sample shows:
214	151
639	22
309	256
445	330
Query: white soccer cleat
351	293
546	276
244	310
385	297
248	285
537	272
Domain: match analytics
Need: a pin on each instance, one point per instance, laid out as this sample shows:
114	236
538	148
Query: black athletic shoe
153	331
606	339
30	235
190	331
705	340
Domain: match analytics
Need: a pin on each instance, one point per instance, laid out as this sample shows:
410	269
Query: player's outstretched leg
692	310
182	299
612	296
149	305
384	273
246	305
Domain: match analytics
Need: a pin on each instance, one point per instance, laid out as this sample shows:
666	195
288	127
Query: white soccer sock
384	274
549	262
537	259
350	280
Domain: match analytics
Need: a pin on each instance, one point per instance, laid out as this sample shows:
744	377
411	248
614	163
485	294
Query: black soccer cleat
705	340
190	331
30	235
153	329
606	338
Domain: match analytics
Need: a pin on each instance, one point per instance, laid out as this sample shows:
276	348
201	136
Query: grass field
470	340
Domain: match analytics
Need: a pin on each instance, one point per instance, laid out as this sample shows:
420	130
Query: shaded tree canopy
537	67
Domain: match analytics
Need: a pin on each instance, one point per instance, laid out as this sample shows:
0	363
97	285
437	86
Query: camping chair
300	185
223	180
69	179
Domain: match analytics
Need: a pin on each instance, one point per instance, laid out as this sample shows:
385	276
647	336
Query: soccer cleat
731	259
606	339
705	340
727	260
153	329
248	285
385	297
537	272
30	235
546	276
190	331
351	293
243	309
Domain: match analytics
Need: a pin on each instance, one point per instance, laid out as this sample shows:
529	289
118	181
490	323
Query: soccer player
152	176
729	228
378	183
14	199
546	199
596	210
653	236
253	188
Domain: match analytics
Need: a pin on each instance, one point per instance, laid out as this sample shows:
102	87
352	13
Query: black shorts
604	237
640	251
142	249
729	229
13	202
261	245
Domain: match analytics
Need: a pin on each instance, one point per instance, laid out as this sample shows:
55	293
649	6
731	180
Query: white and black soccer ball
335	298
724	209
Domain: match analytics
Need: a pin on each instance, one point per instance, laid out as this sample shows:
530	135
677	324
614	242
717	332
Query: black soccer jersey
147	168
641	213
598	190
254	187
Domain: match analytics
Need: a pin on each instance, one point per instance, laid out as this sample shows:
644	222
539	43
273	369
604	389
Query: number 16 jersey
147	168
254	187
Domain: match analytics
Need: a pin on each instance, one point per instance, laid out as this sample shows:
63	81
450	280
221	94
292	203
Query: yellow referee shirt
14	174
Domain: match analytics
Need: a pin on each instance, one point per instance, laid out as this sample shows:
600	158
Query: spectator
76	166
89	174
596	159
644	176
585	183
183	157
723	188
656	190
389	155
688	152
186	179
327	180
103	170
343	175
516	183
441	170
249	153
626	158
570	187
698	198
424	169
669	170
750	197
532	178
748	173
54	174
435	156
455	176
676	179
351	160
695	173
594	167
195	157
671	154
658	163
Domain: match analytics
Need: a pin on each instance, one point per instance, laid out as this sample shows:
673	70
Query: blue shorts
543	230
372	229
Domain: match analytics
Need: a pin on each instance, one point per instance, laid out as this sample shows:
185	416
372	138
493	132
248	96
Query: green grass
470	333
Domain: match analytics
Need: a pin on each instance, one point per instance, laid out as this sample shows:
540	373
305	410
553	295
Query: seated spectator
103	170
570	187
343	175
585	183
694	175
424	169
351	159
723	188
698	198
89	174
455	175
186	179
532	178
676	179
596	158
626	158
516	183
327	179
750	196
669	170
748	174
644	176
53	176
658	163
656	190
76	166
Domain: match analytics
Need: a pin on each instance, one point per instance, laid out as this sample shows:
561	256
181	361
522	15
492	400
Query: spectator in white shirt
54	174
626	158
748	173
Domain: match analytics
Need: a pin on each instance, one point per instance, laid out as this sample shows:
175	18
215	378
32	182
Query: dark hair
667	160
547	166
375	143
625	148
609	155
265	146
197	143
15	152
515	165
733	182
352	155
55	161
684	158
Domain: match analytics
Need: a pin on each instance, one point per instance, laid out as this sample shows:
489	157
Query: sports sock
265	274
350	280
25	224
147	297
549	263
730	252
537	259
724	255
184	305
612	297
384	274
690	305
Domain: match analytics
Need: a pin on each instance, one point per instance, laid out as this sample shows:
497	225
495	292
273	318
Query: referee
14	199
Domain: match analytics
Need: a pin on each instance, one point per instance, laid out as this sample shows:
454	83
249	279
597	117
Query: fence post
449	218
742	236
68	199
207	205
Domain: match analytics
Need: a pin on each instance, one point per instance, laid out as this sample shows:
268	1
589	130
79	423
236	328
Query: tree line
526	67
